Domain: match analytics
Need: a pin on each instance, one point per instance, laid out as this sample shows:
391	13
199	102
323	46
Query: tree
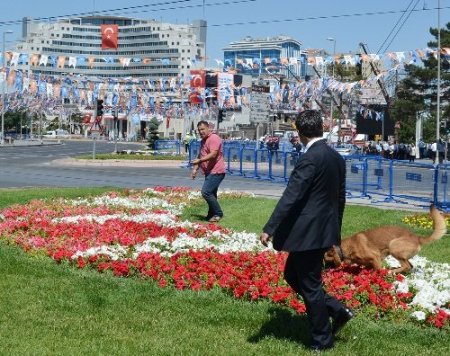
153	133
417	92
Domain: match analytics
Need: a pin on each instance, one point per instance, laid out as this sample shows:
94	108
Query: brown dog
368	248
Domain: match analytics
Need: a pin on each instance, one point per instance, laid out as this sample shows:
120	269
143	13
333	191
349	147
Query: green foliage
22	196
153	133
417	92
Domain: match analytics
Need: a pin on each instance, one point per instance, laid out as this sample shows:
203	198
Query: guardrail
371	177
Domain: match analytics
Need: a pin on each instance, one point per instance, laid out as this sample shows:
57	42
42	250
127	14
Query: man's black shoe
343	318
318	348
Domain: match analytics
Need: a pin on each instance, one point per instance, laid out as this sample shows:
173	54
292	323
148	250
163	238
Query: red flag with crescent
110	35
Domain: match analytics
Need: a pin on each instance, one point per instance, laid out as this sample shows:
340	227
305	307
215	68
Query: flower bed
141	234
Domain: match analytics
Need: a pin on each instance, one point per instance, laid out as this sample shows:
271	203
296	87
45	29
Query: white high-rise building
146	48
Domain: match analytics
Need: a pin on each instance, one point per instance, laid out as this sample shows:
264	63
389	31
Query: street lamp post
331	99
4	86
438	98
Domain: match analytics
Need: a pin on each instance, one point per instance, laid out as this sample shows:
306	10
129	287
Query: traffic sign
260	104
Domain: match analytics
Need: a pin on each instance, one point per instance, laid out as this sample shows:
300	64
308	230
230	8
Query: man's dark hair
202	122
309	123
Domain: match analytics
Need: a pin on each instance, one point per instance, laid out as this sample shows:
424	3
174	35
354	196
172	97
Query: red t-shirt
215	165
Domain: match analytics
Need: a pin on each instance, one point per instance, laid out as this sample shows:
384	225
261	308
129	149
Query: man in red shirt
211	162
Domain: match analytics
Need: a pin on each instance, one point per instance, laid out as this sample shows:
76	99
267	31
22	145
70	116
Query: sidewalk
28	143
119	163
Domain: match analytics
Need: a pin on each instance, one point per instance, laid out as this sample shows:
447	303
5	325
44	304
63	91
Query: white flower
429	280
419	315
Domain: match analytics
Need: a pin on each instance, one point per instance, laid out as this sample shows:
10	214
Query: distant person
440	151
296	144
211	162
306	222
422	146
412	152
187	141
433	150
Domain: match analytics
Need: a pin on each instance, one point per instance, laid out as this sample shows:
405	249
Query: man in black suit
306	222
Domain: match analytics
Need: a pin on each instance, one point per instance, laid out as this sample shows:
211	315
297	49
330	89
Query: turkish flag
198	78
110	34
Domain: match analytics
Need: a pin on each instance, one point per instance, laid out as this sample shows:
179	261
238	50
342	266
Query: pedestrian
306	222
187	141
412	152
422	146
211	162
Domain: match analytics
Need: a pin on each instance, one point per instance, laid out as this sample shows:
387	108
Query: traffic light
220	116
99	107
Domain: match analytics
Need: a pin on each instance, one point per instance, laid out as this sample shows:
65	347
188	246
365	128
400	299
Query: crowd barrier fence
371	177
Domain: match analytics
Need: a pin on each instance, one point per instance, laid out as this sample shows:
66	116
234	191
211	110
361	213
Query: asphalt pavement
169	171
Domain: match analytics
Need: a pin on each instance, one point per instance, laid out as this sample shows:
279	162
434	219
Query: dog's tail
439	226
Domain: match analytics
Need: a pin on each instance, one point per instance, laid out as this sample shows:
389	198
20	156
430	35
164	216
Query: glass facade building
281	55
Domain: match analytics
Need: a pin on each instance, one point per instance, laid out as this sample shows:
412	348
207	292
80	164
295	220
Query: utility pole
438	99
332	76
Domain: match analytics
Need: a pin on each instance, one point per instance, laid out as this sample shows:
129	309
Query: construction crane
379	81
338	105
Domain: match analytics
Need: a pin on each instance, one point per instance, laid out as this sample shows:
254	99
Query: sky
383	25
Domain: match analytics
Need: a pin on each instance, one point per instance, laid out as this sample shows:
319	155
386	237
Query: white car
347	149
57	134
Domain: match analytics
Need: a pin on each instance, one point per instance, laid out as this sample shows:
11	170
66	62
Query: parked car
57	134
347	149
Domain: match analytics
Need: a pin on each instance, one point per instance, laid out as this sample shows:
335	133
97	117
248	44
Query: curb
119	163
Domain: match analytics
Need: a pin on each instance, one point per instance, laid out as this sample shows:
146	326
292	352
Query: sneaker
215	218
343	318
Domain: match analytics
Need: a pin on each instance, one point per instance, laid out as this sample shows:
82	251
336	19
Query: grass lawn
51	309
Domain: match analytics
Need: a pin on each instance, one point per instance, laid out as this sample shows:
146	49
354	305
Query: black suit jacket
309	214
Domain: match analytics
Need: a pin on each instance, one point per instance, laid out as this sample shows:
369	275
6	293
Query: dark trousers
303	272
209	193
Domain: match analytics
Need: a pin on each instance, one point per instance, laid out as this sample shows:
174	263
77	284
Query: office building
144	48
280	55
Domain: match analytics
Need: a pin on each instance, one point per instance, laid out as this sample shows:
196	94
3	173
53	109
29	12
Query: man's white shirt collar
310	143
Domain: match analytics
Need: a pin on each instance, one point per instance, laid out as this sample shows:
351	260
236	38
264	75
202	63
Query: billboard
369	121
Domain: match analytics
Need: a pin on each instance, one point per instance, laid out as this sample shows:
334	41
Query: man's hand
264	238
194	172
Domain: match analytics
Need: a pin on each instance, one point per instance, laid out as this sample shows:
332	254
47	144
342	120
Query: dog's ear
331	257
336	258
328	258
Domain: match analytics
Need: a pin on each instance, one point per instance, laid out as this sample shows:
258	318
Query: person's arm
195	165
196	162
211	155
298	186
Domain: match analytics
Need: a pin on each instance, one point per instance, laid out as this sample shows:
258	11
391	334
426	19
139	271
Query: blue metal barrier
169	145
374	177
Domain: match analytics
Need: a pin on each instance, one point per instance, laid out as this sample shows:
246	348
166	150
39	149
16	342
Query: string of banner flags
140	96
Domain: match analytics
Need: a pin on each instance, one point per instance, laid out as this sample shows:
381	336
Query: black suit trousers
303	272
